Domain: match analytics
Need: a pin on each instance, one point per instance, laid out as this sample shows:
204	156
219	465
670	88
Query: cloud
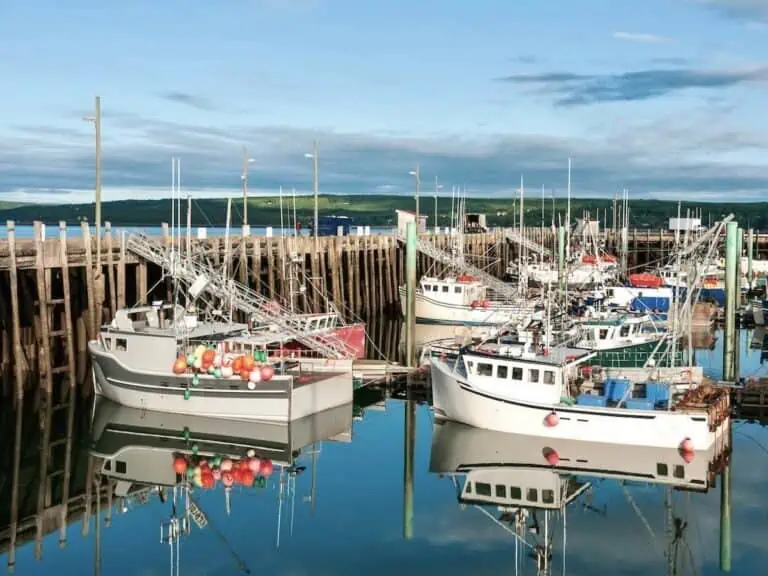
191	100
670	158
640	37
585	89
749	10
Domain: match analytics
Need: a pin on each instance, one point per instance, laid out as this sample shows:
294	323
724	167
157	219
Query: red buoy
551	456
227	479
266	468
552	419
686	450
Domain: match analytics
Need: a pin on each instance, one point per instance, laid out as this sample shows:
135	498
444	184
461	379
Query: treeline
380	211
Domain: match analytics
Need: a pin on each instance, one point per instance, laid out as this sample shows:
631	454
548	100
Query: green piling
410	294
409	448
731	288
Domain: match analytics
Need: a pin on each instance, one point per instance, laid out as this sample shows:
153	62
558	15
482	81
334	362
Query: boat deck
555	356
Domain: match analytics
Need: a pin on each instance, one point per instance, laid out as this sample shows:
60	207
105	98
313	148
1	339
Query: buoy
486	303
251	453
686	450
248	363
185	433
199	351
551	456
195	449
227	371
190	473
226	465
237	364
552	419
187	394
180	365
217	361
266	468
255	375
227	479
251	385
190	359
237	475
254	464
247	477
267	372
208	481
195	380
198	363
179	465
208	356
216	473
245	375
211	370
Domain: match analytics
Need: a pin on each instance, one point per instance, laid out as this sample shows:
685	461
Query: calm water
358	522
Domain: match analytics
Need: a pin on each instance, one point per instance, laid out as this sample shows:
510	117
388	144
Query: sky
662	97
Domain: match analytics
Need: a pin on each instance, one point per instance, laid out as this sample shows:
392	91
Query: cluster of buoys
480	303
465	278
208	472
206	360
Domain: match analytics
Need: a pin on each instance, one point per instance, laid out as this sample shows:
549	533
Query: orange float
180	365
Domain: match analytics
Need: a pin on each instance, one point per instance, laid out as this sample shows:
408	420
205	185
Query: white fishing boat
526	389
460	301
165	359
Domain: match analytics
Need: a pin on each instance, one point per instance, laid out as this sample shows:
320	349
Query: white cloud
641	37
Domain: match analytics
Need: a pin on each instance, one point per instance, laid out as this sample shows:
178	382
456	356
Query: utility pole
437	191
96	120
315	183
415	174
244	179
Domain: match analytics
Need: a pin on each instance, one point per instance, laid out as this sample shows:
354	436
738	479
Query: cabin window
603	333
679	471
484	369
515	493
427	287
482	489
624	332
470	366
533	375
457	289
502	371
532	495
445	288
108	465
549	377
468	488
548	496
517	373
120	467
121	344
501	491
662	469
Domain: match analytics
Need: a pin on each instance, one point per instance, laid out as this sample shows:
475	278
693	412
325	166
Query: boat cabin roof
555	356
617	320
452	281
149	320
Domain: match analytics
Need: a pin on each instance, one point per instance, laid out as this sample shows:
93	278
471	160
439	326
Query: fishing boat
461	300
625	339
537	390
164	358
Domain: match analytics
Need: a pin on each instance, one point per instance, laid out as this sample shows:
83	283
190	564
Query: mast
568	216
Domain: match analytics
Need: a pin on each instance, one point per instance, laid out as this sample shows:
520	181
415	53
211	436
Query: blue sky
663	96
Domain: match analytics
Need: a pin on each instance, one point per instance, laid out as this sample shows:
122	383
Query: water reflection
379	498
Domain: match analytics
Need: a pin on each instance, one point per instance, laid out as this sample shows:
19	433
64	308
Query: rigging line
759	444
506	528
639	513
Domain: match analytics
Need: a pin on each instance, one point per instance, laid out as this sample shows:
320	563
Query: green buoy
187	394
195	449
185	433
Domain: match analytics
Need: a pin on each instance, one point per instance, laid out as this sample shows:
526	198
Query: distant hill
374	211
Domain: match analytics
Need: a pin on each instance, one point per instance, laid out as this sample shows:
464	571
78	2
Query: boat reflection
179	456
525	483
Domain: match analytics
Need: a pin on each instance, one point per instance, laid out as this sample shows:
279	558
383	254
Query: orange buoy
551	456
237	364
248	363
227	479
552	419
208	356
266	468
246	477
226	465
486	303
180	365
180	465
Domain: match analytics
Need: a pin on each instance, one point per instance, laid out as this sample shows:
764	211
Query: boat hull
455	399
429	311
284	398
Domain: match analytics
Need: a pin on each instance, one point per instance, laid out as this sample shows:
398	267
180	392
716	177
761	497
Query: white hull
455	399
284	398
433	311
